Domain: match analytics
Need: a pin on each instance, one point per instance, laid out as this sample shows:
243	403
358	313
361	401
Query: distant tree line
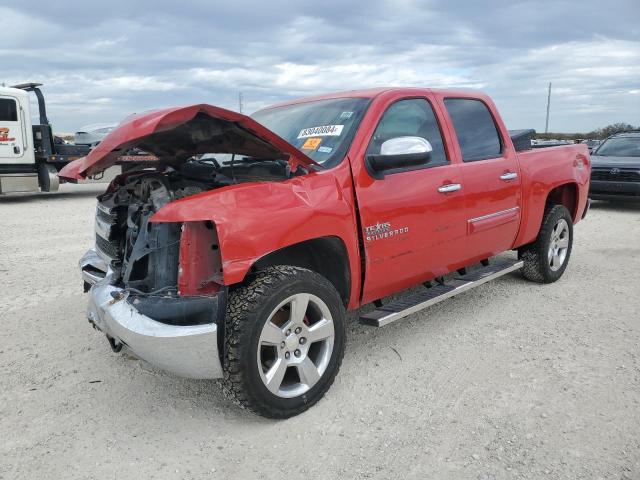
599	133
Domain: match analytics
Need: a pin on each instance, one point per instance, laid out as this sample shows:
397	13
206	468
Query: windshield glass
323	129
620	147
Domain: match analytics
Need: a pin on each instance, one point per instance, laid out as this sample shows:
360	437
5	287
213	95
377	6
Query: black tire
248	310
537	265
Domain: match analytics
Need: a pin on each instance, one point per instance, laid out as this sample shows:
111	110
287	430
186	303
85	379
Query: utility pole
240	102
546	125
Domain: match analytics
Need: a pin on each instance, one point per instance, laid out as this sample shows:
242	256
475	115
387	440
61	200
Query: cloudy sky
102	61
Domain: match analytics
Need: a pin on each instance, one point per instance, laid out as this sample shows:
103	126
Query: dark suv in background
615	168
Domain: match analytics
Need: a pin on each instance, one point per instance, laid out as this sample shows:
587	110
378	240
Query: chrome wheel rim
558	245
295	345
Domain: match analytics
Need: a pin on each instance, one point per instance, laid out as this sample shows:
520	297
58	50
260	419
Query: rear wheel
546	259
285	341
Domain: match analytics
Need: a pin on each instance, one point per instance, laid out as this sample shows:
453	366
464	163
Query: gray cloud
100	62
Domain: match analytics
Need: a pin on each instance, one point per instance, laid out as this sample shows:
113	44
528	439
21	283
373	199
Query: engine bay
144	256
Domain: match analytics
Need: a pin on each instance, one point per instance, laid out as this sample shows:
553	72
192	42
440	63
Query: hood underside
174	135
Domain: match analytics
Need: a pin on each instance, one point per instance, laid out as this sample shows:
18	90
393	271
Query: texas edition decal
383	230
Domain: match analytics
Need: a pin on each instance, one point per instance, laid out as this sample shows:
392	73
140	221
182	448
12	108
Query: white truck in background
30	155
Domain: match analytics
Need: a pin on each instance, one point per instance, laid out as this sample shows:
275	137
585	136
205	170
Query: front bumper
186	350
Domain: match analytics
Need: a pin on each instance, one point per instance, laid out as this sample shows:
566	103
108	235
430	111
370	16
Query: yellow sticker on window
311	143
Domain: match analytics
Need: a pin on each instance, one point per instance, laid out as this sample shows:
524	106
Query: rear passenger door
491	178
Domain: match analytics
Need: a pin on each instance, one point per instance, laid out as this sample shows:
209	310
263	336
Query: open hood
176	134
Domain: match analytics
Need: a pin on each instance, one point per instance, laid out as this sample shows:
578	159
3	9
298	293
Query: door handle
508	176
452	187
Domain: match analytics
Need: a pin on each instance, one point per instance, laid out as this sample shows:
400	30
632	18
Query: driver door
413	219
11	130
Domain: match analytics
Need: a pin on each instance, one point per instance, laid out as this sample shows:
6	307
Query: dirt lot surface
511	380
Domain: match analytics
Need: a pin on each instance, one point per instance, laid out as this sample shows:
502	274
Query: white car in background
93	134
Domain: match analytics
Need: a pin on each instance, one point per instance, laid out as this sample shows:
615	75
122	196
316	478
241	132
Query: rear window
475	129
8	111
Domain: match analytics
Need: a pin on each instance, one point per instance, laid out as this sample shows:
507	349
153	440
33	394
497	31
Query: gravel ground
510	380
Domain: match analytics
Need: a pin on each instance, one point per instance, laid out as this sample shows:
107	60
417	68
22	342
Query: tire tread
534	254
242	302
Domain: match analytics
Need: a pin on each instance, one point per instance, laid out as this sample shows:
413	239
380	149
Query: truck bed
543	170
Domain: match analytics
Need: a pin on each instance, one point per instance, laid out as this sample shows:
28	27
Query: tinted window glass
410	118
8	112
475	129
620	147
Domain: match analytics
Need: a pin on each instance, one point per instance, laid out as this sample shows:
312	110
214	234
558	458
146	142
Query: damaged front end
151	291
156	288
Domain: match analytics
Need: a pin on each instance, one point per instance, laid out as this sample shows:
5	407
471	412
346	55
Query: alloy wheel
558	245
295	345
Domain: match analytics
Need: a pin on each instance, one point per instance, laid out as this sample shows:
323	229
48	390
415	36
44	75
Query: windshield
323	129
620	147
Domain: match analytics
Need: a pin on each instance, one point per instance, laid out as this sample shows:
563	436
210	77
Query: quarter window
8	111
475	129
410	118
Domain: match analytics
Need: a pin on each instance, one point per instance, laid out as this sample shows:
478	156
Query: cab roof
376	92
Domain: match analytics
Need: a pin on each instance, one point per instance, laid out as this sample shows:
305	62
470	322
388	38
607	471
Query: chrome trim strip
90	277
89	263
496	214
103	228
107	259
104	209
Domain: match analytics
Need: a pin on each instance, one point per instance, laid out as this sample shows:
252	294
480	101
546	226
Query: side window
8	111
415	118
475	129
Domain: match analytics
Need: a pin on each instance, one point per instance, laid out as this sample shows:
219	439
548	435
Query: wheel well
326	256
567	195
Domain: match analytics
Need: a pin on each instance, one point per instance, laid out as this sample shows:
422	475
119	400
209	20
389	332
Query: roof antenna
240	102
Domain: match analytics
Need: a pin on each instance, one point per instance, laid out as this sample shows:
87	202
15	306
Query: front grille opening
109	248
618	176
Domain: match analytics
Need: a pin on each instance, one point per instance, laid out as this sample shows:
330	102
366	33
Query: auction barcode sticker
322	131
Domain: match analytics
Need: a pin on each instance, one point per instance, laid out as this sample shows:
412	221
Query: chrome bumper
185	350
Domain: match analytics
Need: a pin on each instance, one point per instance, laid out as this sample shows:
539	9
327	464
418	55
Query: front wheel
285	337
546	259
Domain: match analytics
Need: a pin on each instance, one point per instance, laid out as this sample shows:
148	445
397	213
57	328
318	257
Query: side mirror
399	152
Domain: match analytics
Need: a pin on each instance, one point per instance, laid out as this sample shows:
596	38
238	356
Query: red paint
139	128
428	233
200	265
254	219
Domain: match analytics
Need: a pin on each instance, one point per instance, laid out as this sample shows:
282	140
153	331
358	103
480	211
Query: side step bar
417	301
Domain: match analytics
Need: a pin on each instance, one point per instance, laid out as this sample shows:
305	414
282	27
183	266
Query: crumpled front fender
255	219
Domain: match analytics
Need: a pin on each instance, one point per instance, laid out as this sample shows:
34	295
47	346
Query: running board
415	302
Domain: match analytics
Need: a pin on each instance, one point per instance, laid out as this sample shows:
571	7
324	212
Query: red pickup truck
236	252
